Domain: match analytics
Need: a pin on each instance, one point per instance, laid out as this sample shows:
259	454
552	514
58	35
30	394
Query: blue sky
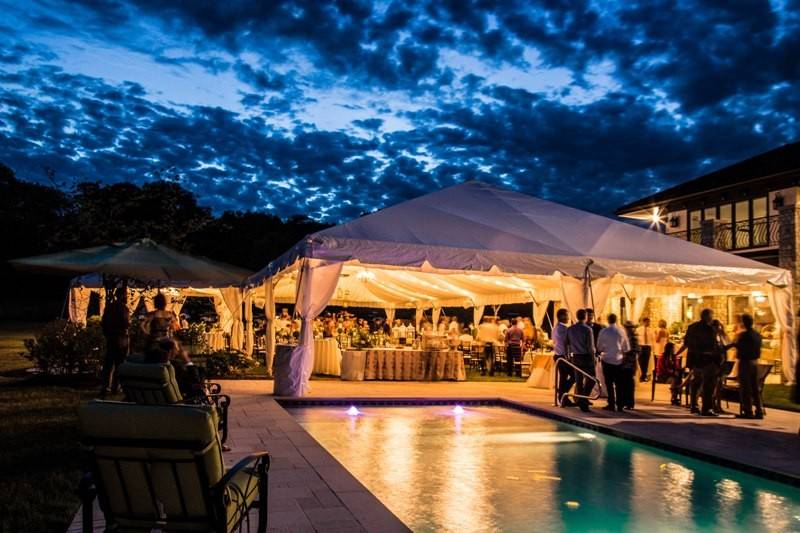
332	109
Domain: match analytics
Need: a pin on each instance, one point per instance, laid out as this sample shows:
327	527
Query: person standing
488	334
115	323
748	351
565	377
612	343
514	338
701	343
627	369
646	339
596	328
580	342
661	339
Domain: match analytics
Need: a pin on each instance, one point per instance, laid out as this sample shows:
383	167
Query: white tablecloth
327	357
543	371
215	340
403	365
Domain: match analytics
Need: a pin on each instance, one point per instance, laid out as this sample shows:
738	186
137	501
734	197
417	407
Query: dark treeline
38	219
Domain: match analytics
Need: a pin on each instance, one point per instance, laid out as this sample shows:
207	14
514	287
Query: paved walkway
311	491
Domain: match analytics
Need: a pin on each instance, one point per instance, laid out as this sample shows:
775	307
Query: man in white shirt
612	343
565	375
646	337
488	334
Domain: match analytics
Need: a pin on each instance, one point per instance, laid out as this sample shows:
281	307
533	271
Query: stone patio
311	491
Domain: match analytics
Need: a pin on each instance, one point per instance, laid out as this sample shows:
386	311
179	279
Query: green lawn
780	397
40	463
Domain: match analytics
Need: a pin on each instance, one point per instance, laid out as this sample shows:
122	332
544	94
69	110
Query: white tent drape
539	310
177	304
315	286
637	307
599	296
232	297
269	313
477	314
249	337
418	313
389	315
78	304
780	299
574	294
102	294
437	312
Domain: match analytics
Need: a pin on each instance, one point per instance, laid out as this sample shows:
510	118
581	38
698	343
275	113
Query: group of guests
620	348
161	346
516	336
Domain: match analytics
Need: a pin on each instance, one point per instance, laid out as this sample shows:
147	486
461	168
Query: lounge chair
155	384
160	467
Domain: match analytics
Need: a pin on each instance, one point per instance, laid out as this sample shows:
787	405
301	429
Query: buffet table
327	357
403	365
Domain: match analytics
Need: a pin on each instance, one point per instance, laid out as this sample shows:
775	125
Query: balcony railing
756	233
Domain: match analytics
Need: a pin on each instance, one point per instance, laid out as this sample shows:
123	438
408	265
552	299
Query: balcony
744	235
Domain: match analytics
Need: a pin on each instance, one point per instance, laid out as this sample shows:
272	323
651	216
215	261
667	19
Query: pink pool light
353	411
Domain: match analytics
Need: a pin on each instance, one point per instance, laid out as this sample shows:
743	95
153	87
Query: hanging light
458	410
365	276
353	411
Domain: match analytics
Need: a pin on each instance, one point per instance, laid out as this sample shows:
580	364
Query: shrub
193	338
228	363
64	348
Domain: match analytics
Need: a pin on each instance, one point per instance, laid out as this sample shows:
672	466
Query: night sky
332	109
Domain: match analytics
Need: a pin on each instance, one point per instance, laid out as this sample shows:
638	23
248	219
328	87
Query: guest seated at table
529	331
190	377
514	338
488	334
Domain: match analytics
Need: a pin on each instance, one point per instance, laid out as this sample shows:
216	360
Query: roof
777	161
474	226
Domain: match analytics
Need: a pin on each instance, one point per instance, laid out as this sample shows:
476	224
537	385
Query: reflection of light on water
729	495
538	437
677	487
571	504
775	515
587	436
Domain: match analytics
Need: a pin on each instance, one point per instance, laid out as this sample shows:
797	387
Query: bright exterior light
353	411
458	410
655	216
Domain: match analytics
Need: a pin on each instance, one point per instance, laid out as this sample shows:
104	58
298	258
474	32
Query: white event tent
473	245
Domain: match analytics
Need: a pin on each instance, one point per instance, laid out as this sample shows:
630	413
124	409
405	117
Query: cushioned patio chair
155	384
160	467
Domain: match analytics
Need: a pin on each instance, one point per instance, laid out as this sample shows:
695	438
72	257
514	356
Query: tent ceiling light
365	276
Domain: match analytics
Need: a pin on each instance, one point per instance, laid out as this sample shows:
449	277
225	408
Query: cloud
337	108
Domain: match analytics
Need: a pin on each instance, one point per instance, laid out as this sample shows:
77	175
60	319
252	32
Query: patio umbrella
143	260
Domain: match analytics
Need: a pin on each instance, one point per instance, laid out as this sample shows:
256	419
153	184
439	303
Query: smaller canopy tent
149	266
474	244
144	260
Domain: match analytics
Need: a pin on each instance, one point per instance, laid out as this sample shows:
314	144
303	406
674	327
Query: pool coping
767	473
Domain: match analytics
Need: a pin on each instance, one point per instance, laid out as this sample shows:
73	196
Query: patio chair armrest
219	400
260	460
213	388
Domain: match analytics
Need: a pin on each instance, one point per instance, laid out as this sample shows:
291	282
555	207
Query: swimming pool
494	468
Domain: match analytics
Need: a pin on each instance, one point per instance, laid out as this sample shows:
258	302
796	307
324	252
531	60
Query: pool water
497	469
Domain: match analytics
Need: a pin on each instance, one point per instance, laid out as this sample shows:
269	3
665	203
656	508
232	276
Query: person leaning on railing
565	377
